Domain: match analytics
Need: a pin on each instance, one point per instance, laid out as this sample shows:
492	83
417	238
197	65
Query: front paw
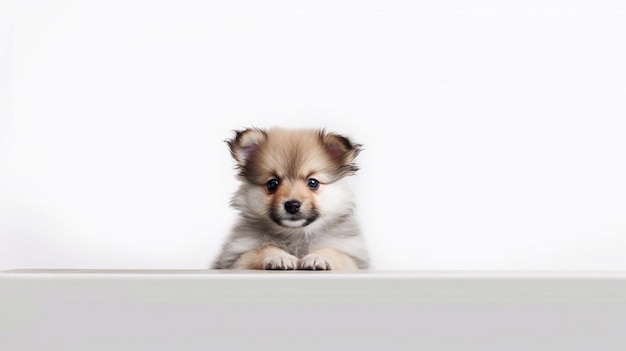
315	262
281	261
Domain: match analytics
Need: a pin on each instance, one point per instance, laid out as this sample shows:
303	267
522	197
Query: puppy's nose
292	206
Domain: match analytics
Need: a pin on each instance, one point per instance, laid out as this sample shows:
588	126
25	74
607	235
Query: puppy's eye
272	184
313	183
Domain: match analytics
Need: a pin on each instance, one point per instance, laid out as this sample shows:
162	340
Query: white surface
402	310
494	132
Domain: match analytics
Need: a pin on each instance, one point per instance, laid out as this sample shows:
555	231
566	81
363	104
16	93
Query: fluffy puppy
296	208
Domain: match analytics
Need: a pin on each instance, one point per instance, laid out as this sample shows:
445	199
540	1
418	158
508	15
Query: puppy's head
293	177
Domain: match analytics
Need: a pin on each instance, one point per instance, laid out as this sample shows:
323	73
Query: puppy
296	208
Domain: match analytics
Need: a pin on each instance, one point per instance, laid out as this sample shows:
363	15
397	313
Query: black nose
292	206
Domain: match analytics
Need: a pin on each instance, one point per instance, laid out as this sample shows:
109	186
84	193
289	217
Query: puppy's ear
341	150
245	144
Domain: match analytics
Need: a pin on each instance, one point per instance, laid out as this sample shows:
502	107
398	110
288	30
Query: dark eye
313	183
272	184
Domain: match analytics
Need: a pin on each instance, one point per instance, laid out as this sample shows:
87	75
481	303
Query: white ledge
364	274
367	310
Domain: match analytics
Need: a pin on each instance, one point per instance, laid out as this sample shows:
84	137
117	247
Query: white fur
251	200
335	197
293	224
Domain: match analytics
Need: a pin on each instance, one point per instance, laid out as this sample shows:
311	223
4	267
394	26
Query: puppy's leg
266	257
326	259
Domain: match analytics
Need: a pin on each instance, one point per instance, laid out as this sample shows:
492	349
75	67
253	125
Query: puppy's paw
315	262
281	261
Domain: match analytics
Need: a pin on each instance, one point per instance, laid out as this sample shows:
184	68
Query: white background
494	132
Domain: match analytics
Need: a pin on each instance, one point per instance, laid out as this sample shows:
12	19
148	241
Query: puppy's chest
297	246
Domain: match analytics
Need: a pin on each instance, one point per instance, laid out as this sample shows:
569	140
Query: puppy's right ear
245	144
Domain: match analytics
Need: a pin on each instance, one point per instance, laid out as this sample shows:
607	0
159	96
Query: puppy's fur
296	208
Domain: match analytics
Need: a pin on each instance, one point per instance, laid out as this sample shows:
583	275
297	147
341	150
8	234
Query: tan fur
326	259
293	189
267	257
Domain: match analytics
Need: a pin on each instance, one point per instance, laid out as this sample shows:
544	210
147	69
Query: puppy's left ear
341	150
